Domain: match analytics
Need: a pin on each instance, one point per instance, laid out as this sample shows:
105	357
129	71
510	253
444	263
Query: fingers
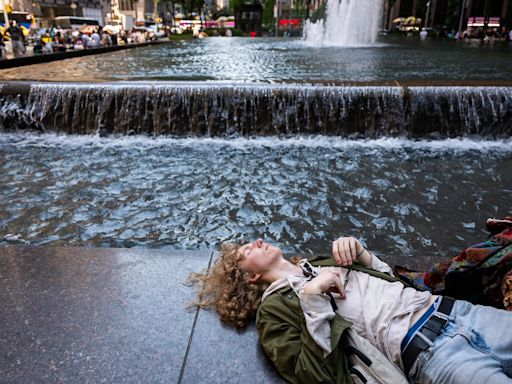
335	252
352	245
337	287
327	280
344	250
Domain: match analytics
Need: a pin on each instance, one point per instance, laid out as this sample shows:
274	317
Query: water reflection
401	197
270	60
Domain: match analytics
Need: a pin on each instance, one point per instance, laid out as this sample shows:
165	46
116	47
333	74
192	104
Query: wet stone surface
90	315
94	315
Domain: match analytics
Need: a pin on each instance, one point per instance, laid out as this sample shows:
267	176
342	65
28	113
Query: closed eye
248	249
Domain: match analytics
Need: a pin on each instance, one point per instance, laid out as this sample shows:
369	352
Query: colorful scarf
481	273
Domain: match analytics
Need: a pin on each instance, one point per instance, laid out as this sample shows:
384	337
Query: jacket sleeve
285	339
381	266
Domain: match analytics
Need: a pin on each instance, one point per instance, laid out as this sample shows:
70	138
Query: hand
326	281
345	250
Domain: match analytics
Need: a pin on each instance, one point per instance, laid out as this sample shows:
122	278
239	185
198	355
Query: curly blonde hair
226	288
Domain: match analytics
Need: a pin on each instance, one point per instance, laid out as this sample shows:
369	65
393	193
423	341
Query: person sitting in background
349	319
106	40
95	39
59	42
78	44
86	40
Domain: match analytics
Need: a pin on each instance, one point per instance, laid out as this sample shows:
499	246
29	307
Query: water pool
290	60
400	196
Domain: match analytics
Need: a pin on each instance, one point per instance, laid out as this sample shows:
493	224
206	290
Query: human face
258	257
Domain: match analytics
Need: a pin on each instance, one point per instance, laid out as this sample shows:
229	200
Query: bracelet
360	253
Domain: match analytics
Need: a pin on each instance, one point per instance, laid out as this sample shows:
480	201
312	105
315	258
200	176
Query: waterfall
347	23
242	110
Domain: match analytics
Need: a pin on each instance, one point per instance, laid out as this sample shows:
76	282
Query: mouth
266	248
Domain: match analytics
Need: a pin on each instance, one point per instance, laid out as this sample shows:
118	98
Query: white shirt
380	310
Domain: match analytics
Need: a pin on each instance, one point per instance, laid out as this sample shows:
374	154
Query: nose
259	243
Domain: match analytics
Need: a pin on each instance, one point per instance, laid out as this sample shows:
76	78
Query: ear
254	277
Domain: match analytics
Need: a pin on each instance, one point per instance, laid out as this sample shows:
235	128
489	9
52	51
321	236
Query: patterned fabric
481	274
506	290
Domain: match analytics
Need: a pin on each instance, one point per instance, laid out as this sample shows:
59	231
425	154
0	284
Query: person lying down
350	320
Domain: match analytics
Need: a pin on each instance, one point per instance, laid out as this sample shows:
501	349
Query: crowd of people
485	35
59	40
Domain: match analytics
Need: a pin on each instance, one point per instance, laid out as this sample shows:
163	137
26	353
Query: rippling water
401	197
270	59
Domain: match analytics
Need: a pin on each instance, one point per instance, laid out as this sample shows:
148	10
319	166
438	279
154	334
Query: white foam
329	142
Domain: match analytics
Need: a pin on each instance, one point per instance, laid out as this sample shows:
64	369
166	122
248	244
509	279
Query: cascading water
347	23
223	110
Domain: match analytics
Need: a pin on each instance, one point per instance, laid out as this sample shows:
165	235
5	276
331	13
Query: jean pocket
462	308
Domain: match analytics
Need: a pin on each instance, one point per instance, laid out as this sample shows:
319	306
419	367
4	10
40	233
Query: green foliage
235	4
268	13
319	13
508	18
193	6
222	32
452	15
300	10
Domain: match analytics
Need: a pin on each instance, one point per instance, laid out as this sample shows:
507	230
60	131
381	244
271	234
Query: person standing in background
17	38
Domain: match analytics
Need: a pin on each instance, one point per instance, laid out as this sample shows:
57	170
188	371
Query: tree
235	4
268	13
193	6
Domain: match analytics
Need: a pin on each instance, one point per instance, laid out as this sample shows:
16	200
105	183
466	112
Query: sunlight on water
269	60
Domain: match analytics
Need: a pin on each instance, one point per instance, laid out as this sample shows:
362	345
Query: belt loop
425	338
442	315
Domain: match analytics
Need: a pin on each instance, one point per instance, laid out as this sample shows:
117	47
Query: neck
281	270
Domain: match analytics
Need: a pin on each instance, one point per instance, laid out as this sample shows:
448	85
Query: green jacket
286	340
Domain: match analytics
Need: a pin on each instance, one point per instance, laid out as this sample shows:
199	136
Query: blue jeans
475	346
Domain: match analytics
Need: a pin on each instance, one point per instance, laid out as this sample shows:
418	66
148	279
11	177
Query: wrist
311	290
364	257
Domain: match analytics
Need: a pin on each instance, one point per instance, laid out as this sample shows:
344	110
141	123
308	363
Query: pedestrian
17	38
47	43
2	46
348	319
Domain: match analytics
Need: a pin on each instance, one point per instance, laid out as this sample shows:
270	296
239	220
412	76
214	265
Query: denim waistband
418	324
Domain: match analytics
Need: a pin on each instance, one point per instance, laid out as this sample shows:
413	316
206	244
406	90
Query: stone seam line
190	339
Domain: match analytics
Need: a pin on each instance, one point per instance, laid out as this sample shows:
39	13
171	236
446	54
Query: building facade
452	14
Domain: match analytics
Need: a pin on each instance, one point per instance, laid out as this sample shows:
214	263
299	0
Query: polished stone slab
93	315
82	315
221	354
38	58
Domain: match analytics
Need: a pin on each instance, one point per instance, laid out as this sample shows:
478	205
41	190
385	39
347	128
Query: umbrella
88	29
410	20
399	20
